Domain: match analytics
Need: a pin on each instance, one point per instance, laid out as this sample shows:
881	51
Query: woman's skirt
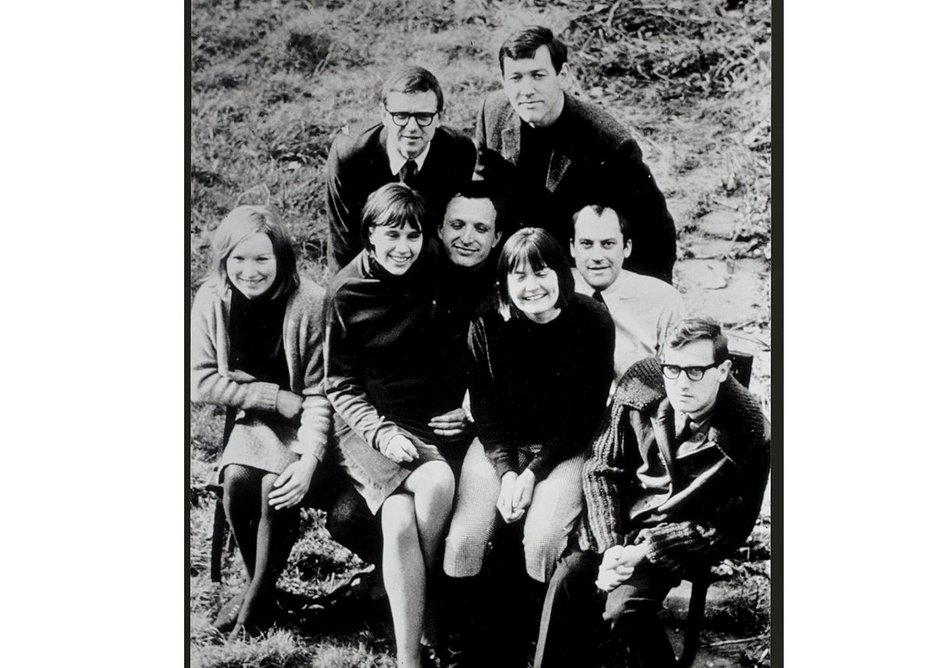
260	442
376	476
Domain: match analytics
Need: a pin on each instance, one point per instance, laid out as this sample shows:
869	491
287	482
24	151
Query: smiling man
408	145
643	308
673	483
559	153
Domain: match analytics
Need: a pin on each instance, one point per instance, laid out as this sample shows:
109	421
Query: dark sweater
382	351
540	384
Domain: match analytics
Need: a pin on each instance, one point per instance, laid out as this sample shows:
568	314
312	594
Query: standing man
643	308
673	483
408	145
561	153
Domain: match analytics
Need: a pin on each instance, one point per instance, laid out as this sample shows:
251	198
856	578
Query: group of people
499	344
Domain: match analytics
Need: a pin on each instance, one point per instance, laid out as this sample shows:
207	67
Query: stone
710	248
719	223
732	292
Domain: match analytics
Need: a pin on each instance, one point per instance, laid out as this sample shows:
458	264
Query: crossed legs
413	520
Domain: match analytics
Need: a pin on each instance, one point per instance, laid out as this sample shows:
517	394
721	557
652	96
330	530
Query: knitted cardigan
714	495
213	381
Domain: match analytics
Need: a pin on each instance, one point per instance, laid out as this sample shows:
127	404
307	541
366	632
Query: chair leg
217	538
693	623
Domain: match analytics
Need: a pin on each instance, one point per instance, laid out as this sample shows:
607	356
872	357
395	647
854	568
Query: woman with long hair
257	347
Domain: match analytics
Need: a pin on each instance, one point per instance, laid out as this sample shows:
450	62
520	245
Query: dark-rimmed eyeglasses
423	118
693	373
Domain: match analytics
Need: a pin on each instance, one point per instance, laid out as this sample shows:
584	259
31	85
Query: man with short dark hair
643	307
561	153
674	482
408	145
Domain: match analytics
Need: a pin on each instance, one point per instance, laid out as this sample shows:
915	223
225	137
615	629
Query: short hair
245	221
524	44
394	205
599	209
412	79
699	329
538	249
483	190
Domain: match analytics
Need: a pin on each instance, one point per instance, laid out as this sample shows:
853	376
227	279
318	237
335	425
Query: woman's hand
450	424
288	404
505	500
523	491
293	483
400	449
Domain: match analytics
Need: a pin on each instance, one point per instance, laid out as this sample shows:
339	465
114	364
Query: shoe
227	616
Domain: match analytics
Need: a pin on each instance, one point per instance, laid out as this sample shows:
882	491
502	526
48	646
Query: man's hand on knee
618	564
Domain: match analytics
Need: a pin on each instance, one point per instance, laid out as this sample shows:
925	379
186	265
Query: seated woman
543	359
382	377
257	346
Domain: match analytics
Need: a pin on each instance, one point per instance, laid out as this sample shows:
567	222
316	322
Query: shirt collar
397	161
582	286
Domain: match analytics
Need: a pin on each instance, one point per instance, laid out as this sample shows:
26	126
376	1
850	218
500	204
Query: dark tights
264	536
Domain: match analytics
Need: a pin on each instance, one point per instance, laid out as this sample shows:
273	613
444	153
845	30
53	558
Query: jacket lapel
664	430
558	164
510	138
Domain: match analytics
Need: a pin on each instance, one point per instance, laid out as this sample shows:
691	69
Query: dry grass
272	82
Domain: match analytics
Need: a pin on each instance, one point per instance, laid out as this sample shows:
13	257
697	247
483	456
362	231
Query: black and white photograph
479	334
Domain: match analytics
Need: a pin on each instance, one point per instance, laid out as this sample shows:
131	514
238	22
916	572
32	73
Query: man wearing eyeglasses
674	482
408	145
561	153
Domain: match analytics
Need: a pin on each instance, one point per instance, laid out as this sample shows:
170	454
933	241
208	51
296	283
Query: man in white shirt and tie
642	307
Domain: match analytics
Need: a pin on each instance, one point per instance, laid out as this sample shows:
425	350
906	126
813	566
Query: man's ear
497	237
723	370
628	248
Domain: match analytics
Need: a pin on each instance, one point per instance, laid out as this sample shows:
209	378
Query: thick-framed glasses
693	373
423	118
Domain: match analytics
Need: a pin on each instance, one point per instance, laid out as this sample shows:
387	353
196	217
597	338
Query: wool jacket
699	509
358	165
214	381
383	351
542	385
594	160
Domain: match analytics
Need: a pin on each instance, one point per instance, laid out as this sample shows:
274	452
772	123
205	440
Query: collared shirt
642	308
397	161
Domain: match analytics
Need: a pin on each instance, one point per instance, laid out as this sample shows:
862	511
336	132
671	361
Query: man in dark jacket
408	145
560	153
674	482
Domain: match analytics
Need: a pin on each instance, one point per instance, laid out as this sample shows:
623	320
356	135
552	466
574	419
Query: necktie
407	172
599	298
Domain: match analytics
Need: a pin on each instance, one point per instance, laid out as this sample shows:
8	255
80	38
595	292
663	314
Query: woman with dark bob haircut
542	365
257	346
382	375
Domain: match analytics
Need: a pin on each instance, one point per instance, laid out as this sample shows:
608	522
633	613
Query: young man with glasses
674	482
408	145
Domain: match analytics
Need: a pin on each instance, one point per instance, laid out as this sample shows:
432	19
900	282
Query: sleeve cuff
262	395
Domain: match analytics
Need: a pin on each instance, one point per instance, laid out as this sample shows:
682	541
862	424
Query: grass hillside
272	83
